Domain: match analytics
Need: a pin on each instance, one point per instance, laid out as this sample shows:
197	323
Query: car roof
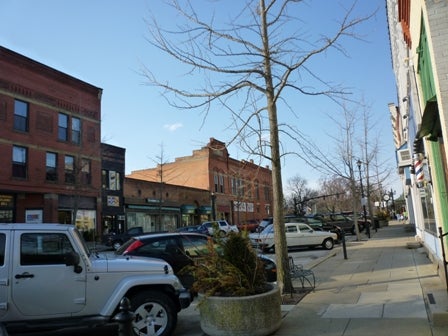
36	226
169	234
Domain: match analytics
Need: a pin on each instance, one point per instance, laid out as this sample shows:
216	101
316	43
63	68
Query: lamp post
392	192
362	200
213	197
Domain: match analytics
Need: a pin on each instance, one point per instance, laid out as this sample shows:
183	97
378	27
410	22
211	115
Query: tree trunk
281	248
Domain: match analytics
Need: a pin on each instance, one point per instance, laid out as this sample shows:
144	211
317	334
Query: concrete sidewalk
382	288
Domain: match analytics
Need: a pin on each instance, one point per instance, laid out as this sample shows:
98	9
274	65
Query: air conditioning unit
404	157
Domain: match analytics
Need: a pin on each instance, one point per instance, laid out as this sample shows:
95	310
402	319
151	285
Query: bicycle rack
441	235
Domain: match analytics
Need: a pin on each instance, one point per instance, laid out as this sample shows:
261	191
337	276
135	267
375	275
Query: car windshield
269	229
82	240
265	222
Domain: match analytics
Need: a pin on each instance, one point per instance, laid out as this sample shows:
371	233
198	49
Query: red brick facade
242	190
164	207
47	119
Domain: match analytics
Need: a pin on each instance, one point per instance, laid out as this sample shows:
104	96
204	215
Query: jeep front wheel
155	314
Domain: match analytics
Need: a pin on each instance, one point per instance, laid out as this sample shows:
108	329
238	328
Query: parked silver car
223	227
297	235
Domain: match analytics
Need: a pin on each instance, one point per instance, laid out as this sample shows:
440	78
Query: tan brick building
49	144
239	190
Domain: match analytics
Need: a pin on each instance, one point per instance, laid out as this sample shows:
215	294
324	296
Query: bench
303	275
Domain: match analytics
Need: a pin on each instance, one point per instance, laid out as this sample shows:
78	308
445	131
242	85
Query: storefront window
428	209
6	208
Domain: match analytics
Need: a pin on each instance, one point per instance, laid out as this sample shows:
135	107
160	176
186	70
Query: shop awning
430	122
152	208
205	210
188	209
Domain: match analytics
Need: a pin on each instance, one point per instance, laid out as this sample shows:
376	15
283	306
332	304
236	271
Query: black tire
269	249
153	307
328	244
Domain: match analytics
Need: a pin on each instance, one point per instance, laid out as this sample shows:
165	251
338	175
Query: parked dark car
116	239
345	222
317	224
193	229
180	249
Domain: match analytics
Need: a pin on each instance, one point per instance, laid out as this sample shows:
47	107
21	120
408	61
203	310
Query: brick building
162	206
239	190
49	144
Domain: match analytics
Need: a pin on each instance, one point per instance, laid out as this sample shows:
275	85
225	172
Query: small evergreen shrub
230	268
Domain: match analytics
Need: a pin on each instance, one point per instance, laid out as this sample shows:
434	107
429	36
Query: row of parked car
323	222
208	228
180	249
189	243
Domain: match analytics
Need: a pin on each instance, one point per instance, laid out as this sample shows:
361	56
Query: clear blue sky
102	42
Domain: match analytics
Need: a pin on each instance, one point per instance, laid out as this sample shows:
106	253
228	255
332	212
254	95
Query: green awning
430	122
188	209
205	210
153	208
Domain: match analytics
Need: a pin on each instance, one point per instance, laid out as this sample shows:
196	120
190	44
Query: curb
322	259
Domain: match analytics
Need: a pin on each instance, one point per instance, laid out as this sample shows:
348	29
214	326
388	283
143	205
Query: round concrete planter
256	315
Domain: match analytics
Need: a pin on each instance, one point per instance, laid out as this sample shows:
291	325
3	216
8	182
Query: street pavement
386	286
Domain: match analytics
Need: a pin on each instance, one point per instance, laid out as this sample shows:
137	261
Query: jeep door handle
24	275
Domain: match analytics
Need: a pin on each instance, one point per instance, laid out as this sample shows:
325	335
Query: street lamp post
362	200
213	197
392	192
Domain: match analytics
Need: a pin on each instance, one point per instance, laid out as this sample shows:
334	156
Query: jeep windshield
82	241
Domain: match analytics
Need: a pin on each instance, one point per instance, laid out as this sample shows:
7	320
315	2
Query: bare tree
342	162
161	162
376	173
299	193
339	193
248	65
354	142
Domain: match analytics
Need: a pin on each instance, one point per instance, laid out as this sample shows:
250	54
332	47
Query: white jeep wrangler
49	279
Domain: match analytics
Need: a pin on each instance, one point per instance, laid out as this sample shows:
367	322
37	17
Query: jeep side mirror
72	259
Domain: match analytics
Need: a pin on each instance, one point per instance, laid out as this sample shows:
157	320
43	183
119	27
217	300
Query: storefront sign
33	216
243	207
113	201
6	201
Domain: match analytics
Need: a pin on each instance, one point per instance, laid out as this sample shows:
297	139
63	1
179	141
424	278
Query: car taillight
134	246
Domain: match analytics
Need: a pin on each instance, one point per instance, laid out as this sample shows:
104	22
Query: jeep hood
110	262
